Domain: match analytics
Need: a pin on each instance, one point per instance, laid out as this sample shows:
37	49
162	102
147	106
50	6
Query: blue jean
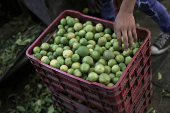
151	8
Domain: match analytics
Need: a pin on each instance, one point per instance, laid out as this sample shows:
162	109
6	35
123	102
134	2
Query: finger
135	35
125	39
130	39
118	34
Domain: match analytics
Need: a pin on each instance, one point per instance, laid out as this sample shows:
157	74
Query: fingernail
131	48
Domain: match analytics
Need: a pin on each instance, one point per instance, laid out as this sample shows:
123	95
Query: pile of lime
86	50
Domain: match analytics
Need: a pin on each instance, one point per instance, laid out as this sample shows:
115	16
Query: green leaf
20	108
50	109
159	76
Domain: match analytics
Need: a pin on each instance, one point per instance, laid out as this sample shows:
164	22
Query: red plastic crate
71	106
107	99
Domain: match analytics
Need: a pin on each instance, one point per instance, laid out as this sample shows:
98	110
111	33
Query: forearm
127	6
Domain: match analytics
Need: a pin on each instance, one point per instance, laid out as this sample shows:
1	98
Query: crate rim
77	78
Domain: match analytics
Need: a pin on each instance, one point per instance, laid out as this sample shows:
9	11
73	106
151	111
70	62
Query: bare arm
125	24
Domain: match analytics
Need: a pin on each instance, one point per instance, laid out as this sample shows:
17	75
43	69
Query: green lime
49	53
112	75
88	60
59	51
66	48
38	55
68	61
115	68
60	26
75	65
81	33
77	73
104	48
53	62
99	49
93	77
59	57
64	68
102	41
112	62
85	10
78	26
46	60
99	69
67	53
127	60
91	70
104	78
110	84
95	55
54	48
77	20
99	27
68	17
108	54
90	46
61	61
43	53
89	35
51	57
45	46
36	49
115	79
107	69
83	41
70	71
119	58
114	36
111	49
135	50
116	46
76	45
122	66
97	36
108	37
78	38
56	65
57	39
72	41
116	53
84	67
63	21
83	51
126	53
107	31
64	41
71	22
108	45
75	57
103	61
55	34
70	35
61	32
92	42
89	23
89	28
43	57
70	30
66	27
118	74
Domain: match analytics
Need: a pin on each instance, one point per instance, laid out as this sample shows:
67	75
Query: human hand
95	6
125	26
